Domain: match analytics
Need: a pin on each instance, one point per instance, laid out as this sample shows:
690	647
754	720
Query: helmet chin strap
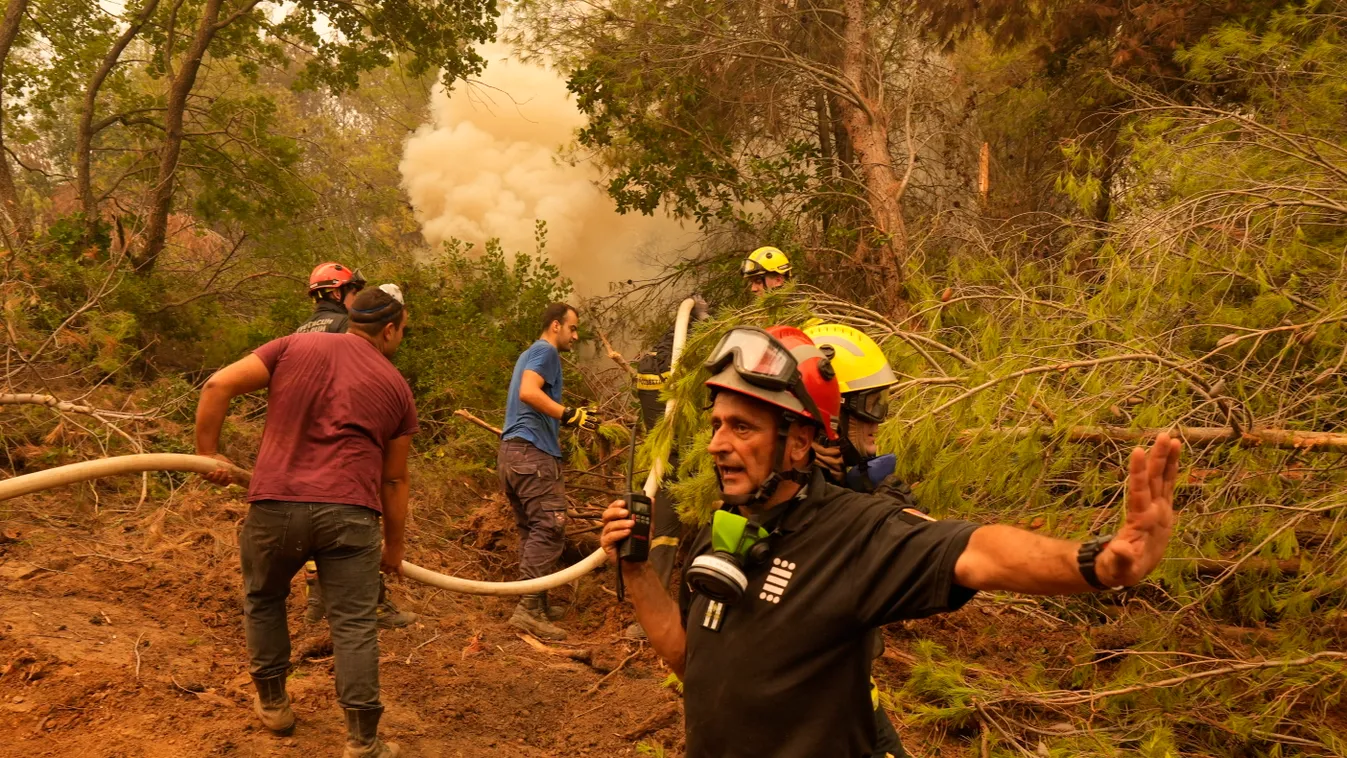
850	455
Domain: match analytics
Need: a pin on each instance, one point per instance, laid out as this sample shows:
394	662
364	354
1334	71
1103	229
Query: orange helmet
332	276
782	367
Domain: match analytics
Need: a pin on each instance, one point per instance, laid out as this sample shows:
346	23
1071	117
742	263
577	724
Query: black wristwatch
1089	550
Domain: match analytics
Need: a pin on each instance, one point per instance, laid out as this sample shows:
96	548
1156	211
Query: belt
652	381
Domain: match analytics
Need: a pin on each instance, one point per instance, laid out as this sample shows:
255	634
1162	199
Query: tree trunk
156	231
18	222
867	127
84	139
827	170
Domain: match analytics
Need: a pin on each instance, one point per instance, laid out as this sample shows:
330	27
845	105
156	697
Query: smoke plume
487	166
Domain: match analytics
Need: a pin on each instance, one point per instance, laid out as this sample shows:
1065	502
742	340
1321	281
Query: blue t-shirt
521	420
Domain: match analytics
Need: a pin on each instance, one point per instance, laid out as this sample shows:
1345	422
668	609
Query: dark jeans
345	542
533	484
665	526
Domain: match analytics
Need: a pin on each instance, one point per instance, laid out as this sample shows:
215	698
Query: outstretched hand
1140	544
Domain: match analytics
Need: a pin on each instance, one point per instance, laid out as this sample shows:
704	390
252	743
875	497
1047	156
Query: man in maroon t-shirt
333	464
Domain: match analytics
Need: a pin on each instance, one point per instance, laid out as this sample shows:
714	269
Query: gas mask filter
736	543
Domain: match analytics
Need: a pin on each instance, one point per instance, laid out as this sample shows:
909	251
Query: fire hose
135	464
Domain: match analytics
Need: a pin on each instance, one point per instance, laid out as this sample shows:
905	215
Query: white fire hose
135	464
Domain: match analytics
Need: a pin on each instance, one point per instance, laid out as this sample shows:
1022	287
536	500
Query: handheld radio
635	548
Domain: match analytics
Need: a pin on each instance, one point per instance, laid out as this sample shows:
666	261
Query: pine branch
1060	698
1194	436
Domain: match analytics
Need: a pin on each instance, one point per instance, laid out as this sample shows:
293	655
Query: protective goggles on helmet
868	406
757	357
751	268
761	360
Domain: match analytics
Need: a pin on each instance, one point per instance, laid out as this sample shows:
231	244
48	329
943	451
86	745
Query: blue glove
867	476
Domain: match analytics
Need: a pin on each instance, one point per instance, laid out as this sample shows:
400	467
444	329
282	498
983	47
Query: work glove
700	310
828	456
580	418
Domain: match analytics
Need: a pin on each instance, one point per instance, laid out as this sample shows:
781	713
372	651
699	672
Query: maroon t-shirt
334	402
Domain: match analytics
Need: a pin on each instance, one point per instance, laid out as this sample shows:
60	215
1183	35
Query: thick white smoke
487	166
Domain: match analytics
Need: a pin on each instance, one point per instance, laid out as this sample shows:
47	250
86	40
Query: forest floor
121	635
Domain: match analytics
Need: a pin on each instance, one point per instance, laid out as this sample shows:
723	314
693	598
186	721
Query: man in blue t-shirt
529	461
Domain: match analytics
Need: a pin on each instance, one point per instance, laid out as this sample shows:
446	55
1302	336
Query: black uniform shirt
785	672
329	316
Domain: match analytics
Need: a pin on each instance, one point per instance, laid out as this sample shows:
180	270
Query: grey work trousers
533	484
346	543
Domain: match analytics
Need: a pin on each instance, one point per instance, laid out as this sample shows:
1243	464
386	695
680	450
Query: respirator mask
736	544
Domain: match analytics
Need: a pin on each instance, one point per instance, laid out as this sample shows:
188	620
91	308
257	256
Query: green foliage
696	492
472	315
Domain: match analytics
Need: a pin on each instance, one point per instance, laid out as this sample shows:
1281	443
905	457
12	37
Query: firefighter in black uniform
772	634
332	287
763	270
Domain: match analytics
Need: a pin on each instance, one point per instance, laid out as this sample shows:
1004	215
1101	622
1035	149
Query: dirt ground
121	635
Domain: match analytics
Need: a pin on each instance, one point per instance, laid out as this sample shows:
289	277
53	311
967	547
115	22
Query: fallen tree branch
418	647
583	655
468	416
615	356
1207	567
26	398
1193	379
1066	697
612	673
666	717
1195	436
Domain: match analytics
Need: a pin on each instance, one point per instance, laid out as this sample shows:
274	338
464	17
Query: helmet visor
870	406
751	268
757	357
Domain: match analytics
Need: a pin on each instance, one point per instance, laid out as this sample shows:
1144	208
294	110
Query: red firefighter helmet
780	366
333	275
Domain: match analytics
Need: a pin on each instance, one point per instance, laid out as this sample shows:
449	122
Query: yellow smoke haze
487	166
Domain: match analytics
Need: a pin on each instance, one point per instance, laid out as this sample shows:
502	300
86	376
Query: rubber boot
314	608
362	735
389	617
272	705
531	616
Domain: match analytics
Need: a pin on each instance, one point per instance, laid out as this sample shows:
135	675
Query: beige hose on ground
198	464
